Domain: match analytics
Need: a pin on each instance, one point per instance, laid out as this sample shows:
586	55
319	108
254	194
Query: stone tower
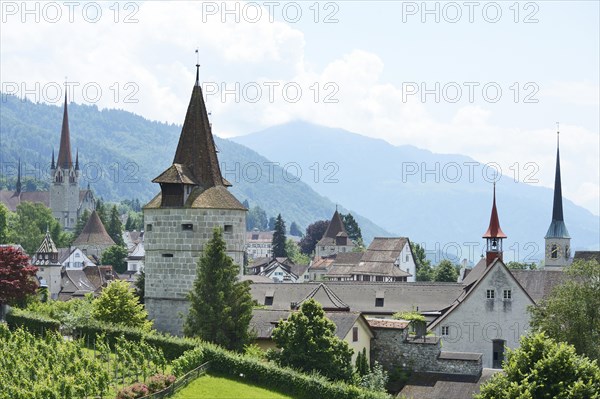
193	201
494	235
64	189
557	239
49	269
335	239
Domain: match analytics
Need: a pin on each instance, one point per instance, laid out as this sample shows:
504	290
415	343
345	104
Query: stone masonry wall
172	255
391	350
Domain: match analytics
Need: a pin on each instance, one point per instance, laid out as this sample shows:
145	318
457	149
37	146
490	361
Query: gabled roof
217	197
176	173
94	233
539	283
587	255
326	297
64	152
469	289
12	199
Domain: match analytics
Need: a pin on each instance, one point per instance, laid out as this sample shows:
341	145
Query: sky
485	79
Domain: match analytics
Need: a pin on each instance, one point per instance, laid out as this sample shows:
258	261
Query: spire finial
197	68
336	205
557	134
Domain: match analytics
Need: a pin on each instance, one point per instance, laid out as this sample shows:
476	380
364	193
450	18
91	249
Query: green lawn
210	387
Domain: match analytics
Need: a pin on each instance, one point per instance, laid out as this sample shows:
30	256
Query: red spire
494	231
64	152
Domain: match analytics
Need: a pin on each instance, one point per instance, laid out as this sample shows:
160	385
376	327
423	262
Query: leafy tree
118	304
293	253
446	272
362	364
423	265
295	230
352	228
115	256
314	232
271	225
3	224
115	227
220	305
256	218
81	222
521	265
376	380
17	276
27	226
572	311
140	286
543	368
308	342
279	238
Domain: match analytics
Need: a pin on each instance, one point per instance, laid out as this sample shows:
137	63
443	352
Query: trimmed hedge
34	323
172	347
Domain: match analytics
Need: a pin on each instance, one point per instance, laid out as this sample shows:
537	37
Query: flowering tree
17	275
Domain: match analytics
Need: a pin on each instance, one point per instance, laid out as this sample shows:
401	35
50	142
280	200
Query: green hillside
120	153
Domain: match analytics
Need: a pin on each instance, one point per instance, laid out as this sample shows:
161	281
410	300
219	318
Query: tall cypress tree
279	238
115	227
220	305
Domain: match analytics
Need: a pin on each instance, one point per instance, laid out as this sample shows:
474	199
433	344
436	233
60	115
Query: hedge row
34	323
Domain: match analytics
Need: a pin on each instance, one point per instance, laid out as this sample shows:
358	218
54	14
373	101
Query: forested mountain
120	153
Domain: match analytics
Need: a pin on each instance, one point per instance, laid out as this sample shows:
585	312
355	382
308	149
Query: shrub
188	361
134	391
34	323
159	382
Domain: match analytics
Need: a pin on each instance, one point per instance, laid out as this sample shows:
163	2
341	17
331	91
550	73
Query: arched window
554	251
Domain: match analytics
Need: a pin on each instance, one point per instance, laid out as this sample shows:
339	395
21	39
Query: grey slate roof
539	283
444	386
587	255
360	296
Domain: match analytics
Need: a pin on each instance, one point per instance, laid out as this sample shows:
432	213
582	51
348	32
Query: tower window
149	227
554	251
490	294
228	228
167	255
187	227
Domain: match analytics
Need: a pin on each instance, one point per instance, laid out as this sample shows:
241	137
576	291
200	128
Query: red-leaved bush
17	275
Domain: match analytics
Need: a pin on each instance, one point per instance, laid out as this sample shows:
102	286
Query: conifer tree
81	222
115	227
220	305
279	238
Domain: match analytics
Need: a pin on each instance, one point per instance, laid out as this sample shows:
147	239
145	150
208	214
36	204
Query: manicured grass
211	387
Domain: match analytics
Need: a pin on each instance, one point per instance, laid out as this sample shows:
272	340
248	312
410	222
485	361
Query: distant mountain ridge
120	153
443	209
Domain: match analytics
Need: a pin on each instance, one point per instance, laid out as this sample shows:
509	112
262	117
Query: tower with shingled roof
494	235
335	239
193	200
49	268
557	239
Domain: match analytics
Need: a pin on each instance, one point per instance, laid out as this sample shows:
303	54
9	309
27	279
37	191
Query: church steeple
53	165
494	235
557	237
64	152
18	185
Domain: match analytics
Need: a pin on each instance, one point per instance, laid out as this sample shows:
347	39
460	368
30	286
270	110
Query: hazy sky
484	79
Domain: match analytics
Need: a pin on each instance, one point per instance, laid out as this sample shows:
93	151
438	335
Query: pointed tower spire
53	165
18	185
77	160
494	234
196	149
64	152
557	228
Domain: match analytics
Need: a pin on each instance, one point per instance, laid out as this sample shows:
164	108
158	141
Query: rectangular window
379	302
228	228
268	301
445	331
354	334
148	227
490	294
167	255
507	294
187	227
379	278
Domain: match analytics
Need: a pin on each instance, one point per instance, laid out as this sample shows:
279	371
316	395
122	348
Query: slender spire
197	68
77	160
64	152
18	185
196	149
53	165
494	230
557	208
